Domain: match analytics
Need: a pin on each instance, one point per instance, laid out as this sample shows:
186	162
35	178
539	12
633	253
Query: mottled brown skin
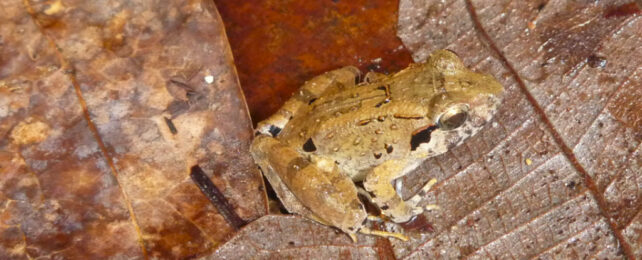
334	132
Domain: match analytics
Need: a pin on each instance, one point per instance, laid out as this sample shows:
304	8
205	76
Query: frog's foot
378	182
385	234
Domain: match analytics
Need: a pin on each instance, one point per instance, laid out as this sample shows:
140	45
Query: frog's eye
453	117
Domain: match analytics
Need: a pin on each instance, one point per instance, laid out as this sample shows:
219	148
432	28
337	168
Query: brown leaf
104	107
293	237
555	175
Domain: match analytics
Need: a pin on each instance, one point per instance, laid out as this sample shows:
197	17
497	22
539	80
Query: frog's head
463	102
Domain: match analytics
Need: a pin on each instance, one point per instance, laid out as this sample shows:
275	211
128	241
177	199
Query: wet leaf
104	107
555	175
278	45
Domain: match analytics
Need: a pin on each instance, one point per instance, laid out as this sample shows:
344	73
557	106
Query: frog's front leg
379	183
314	190
328	82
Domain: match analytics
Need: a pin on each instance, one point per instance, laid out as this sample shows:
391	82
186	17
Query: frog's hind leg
385	234
288	200
379	183
328	82
314	190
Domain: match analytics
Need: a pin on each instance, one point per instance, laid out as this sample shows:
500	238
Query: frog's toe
431	207
386	234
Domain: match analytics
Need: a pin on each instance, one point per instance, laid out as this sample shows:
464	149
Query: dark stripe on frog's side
420	136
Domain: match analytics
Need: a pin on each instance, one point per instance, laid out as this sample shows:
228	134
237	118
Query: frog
342	137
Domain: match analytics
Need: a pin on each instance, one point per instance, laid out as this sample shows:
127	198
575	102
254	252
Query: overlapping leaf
104	107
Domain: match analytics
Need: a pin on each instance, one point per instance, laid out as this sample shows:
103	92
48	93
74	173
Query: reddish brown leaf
104	107
280	44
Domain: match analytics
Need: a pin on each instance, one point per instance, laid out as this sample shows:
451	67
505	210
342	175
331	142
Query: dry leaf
104	107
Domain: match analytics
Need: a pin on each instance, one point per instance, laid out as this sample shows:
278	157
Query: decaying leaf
104	107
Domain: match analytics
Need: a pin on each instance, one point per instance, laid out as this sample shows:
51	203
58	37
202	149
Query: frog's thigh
328	82
379	183
326	196
290	202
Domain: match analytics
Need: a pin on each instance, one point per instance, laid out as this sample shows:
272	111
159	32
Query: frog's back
358	127
395	116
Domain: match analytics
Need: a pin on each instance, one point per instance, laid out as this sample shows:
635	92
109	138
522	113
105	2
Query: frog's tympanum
335	132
